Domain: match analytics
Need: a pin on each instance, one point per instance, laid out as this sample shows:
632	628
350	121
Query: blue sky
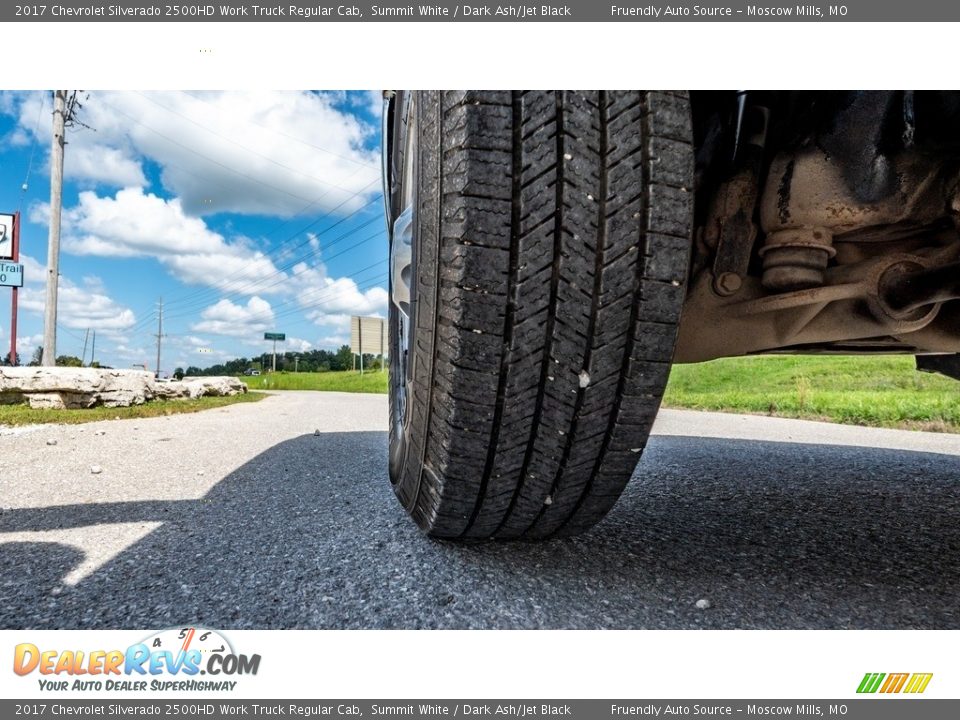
246	212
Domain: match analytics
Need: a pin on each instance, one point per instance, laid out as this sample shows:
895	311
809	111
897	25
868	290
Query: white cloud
331	301
26	346
138	224
191	341
28	108
78	307
373	100
267	153
133	223
100	163
132	355
227	318
295	344
333	342
254	153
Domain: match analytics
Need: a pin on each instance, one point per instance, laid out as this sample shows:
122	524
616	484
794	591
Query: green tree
37	356
69	361
343	360
178	373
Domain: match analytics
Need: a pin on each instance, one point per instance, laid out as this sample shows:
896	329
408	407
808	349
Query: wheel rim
402	262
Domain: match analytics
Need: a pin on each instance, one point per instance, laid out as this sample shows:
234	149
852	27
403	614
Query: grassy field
879	391
25	415
882	391
349	381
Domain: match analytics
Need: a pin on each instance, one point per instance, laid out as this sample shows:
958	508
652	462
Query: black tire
552	240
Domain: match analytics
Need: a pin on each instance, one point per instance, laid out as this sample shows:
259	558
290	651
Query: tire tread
562	247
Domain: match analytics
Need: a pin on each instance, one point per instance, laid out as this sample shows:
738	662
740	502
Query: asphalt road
244	518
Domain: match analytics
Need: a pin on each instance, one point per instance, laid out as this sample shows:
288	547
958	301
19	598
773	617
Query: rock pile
61	387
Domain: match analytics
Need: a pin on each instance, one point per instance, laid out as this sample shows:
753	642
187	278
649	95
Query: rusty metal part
730	227
859	213
906	289
809	190
727	283
853	305
732	231
796	258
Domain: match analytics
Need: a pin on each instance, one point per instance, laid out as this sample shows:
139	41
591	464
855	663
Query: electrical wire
258	285
33	150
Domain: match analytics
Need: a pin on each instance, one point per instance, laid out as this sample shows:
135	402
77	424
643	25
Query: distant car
251	372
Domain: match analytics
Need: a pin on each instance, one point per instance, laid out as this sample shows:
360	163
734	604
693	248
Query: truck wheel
538	267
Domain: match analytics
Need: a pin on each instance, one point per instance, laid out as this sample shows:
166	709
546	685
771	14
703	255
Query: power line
33	150
346	277
323	300
142	324
189	311
328	293
159	334
258	285
349	198
211	291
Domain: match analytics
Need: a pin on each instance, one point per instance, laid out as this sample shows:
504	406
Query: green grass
25	415
882	391
373	381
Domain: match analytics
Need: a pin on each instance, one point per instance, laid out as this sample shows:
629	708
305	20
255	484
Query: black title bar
446	11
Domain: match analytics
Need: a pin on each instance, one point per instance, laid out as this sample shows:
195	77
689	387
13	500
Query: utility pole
53	245
159	335
15	246
93	349
83	357
296	363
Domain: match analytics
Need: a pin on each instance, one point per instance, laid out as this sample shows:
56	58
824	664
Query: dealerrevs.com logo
168	660
910	683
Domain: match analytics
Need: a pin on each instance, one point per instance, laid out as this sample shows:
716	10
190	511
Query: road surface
243	517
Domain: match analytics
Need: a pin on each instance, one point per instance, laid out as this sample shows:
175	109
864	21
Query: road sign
6	237
368	335
275	337
11	274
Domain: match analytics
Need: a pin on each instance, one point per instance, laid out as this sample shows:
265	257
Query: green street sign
274	336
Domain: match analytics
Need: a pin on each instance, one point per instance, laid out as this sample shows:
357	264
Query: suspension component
796	258
907	289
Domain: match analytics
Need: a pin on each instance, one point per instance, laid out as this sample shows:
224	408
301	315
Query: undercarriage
825	222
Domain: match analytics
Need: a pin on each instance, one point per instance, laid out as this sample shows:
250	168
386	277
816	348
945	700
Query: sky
245	212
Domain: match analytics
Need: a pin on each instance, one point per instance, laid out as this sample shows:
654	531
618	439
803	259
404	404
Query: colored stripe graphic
870	682
918	682
894	683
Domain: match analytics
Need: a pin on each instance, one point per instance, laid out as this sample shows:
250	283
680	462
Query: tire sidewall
400	427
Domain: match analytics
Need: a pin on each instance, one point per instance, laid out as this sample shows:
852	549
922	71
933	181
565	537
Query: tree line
307	361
